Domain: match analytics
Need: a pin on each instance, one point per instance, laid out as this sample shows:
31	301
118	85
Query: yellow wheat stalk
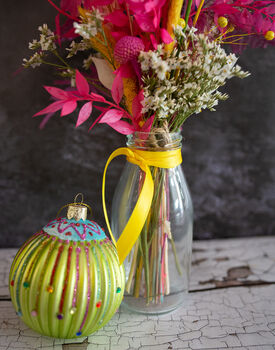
173	19
130	89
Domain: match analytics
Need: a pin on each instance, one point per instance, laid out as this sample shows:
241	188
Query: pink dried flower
127	49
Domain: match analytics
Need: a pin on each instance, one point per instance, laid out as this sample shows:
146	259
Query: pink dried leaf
57	93
53	107
154	41
102	109
84	113
102	2
137	105
112	116
244	2
258	22
156	18
263	3
81	84
271	9
165	36
124	71
117	89
223	9
117	18
148	124
266	24
122	127
154	4
45	120
68	108
118	35
96	97
145	22
70	6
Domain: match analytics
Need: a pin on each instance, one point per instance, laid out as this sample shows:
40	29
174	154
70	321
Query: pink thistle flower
127	49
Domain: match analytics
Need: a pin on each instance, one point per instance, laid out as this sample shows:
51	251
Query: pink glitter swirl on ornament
60	250
78	250
73	226
66	279
89	290
127	49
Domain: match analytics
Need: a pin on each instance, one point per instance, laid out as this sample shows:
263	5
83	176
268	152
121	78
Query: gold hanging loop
76	210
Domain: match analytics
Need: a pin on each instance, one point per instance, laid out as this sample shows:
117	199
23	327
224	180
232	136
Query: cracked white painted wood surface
232	318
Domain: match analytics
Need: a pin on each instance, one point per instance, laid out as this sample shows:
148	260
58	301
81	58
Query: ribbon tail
137	219
118	152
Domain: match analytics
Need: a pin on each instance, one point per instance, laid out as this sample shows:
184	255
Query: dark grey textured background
229	156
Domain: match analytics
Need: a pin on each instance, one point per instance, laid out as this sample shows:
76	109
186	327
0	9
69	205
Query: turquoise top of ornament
72	230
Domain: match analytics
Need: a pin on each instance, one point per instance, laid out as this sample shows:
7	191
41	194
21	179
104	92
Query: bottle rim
154	141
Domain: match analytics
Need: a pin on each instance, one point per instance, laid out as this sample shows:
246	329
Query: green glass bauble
66	280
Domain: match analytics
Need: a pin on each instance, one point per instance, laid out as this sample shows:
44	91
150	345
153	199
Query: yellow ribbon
144	159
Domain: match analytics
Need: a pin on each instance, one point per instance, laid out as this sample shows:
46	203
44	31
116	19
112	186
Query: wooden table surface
231	305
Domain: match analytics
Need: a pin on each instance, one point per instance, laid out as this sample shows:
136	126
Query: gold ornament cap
77	210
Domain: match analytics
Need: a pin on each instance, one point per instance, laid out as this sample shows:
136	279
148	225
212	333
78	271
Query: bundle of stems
149	272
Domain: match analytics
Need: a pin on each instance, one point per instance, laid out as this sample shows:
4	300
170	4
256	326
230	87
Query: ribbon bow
144	159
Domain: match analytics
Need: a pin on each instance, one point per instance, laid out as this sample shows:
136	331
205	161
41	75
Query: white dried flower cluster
185	82
76	47
90	24
181	33
160	63
46	43
88	62
34	61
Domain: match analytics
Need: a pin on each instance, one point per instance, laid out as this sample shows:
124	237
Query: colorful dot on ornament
73	310
68	234
12	283
34	313
50	289
26	284
77	224
98	304
60	316
118	290
78	333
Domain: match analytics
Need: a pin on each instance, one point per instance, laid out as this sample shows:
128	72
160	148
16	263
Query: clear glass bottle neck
154	141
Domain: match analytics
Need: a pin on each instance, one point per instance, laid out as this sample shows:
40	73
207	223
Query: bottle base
139	305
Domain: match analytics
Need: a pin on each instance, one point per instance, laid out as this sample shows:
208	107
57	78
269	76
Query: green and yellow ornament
66	280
